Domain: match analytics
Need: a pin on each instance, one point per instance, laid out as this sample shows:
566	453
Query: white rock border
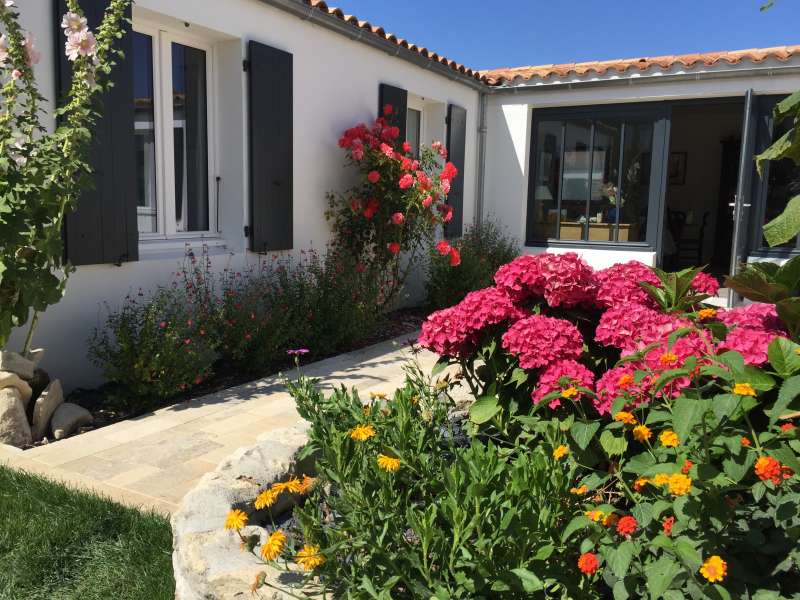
207	559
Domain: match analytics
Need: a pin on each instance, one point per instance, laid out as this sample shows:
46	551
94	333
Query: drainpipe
484	97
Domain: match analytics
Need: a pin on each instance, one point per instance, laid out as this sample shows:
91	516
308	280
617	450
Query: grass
60	544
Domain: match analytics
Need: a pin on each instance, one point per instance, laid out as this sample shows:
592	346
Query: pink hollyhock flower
406	147
620	382
704	283
393	247
16	74
758	316
620	284
443	247
752	344
398	218
455	257
427	201
32	55
538	341
387	150
406	181
373	177
387	110
73	23
633	326
80	44
564	376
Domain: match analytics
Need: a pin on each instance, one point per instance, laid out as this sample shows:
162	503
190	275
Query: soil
110	403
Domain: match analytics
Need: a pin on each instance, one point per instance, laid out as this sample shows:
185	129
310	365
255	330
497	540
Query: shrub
482	250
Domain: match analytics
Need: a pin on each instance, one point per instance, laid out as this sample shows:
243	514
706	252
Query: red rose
588	563
427	201
406	181
398	218
387	150
355	205
449	172
406	147
393	132
443	247
387	109
374	177
393	247
455	257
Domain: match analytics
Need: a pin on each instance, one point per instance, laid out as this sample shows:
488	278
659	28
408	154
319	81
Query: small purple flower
298	351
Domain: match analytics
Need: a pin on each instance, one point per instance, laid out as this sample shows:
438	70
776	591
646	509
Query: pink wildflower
563	376
538	341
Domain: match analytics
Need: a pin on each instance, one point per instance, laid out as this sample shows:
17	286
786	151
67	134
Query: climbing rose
443	248
449	172
373	177
398	218
455	257
564	376
538	341
406	147
394	247
387	150
427	201
387	110
406	181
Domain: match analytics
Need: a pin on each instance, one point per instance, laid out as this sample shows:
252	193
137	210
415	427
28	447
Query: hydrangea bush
676	419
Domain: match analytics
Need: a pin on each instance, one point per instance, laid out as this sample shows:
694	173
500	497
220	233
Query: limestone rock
35	356
38	384
45	406
14	428
10	379
67	418
16	363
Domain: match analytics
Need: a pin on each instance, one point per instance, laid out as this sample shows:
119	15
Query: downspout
481	159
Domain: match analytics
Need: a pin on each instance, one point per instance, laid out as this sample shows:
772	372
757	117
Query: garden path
153	460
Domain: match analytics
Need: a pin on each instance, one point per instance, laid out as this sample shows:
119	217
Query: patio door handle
732	204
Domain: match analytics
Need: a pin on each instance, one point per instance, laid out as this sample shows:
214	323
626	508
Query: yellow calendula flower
625	417
272	548
579	491
639	484
714	569
679	484
744	389
236	519
388	463
378	395
660	479
706	313
361	433
560	452
570	392
309	557
293	486
669	439
306	484
267	498
642	433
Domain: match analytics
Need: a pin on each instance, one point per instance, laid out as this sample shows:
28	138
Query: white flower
3	49
80	44
32	55
73	23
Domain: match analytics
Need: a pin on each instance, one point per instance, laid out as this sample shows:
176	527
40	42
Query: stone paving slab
153	460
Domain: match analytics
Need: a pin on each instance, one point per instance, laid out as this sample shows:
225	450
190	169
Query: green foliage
483	249
42	172
675	294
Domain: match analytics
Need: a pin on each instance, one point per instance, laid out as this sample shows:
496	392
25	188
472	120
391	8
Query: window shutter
456	142
103	229
271	147
398	98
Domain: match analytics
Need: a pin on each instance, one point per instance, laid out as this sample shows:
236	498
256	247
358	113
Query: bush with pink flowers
676	418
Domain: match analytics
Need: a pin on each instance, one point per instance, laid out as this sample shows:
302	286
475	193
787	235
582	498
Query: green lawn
59	544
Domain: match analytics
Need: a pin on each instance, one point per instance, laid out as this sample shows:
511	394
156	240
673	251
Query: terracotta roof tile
497	77
390	37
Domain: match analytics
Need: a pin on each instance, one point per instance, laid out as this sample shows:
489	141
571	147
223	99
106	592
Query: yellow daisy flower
744	389
309	557
560	452
293	486
236	519
361	433
679	484
388	463
669	439
272	548
267	498
378	395
642	433
714	569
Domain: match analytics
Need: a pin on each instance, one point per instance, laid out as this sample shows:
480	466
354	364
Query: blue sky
499	33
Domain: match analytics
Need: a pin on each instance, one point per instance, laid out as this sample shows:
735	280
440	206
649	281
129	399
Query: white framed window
173	124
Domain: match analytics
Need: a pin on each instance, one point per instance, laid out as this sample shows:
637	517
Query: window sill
587	245
154	249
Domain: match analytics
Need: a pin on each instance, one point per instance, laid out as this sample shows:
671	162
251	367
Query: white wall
509	133
335	86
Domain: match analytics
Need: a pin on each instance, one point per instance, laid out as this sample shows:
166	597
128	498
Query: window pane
413	125
635	196
144	129
547	170
190	132
783	183
575	181
605	178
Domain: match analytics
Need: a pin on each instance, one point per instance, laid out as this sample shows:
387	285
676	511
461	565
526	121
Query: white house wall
335	86
509	133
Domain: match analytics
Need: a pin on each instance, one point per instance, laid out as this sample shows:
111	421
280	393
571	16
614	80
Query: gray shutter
398	98
103	229
271	147
456	145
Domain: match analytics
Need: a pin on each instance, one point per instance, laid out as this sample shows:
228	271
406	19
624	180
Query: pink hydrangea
630	327
664	358
752	344
521	277
619	382
619	284
704	283
454	331
562	279
564	376
538	341
758	316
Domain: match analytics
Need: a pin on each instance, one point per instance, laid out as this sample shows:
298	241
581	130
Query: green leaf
519	376
530	582
643	513
790	389
754	285
619	558
613	445
789	312
583	433
688	554
660	575
440	366
574	525
639	463
784	357
484	409
788	274
686	413
786	456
